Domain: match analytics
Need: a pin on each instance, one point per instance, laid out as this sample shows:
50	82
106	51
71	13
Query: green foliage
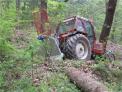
111	76
6	50
14	61
116	87
56	12
59	83
24	85
7	23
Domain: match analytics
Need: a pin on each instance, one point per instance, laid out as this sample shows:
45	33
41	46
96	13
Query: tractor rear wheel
77	47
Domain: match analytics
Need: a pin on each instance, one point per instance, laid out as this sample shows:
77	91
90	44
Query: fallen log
85	81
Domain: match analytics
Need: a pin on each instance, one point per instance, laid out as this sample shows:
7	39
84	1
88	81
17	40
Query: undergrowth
109	73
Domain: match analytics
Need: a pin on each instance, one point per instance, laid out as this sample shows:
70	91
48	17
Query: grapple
50	49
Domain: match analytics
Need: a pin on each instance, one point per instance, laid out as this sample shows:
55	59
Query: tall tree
41	17
44	14
43	4
43	10
110	10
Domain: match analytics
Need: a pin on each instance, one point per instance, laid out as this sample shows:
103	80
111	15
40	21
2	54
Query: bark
43	14
43	10
41	18
110	10
37	22
85	81
43	4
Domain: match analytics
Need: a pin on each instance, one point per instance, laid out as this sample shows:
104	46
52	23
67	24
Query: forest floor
50	76
116	48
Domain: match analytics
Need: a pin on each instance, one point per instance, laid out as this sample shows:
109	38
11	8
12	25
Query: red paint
98	48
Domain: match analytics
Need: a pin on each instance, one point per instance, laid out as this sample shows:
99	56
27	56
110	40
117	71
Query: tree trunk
43	4
85	81
43	14
110	10
41	18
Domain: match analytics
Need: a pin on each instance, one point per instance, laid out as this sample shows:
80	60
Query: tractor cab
66	26
70	25
74	25
76	37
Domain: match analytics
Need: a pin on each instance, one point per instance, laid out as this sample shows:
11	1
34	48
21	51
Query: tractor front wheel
77	47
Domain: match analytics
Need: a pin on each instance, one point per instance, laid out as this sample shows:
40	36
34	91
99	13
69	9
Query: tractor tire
77	47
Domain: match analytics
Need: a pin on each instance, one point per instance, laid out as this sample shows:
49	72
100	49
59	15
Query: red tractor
75	37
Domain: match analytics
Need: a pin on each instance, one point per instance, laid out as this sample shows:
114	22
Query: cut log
85	81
